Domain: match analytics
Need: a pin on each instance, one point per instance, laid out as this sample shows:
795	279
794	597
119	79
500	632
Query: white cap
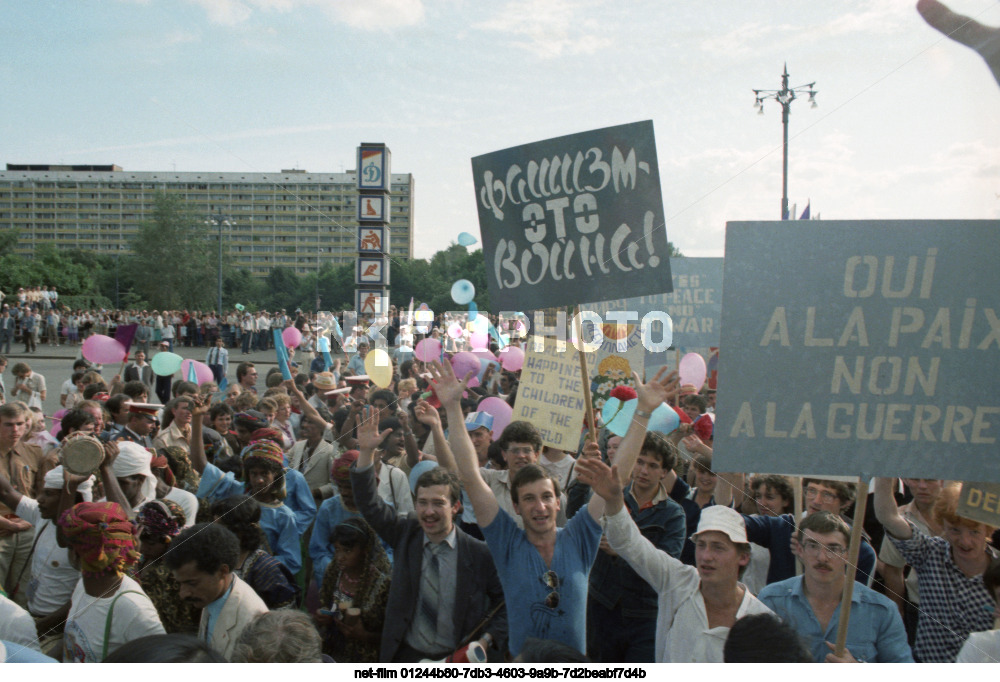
723	520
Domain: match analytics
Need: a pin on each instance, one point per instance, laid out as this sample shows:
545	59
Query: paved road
56	365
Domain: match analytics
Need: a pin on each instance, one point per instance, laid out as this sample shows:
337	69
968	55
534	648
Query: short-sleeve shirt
53	577
527	583
134	616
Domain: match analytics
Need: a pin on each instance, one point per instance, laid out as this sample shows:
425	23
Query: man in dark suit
445	589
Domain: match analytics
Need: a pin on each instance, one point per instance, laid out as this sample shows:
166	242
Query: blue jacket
775	533
614	583
875	632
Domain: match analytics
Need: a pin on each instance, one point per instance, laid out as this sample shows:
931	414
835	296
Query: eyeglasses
814	548
551	580
824	495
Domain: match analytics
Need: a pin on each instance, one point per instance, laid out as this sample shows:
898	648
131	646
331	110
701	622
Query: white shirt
981	647
17	625
682	632
187	502
53	577
394	488
134	617
561	470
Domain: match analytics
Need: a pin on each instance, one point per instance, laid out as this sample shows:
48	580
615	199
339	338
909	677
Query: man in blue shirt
810	603
543	569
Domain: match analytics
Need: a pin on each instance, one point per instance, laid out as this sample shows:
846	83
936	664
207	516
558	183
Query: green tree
173	263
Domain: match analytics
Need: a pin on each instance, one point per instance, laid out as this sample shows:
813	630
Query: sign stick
797	510
852	561
585	376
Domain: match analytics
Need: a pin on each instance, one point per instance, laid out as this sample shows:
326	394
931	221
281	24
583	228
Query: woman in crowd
160	521
359	574
269	578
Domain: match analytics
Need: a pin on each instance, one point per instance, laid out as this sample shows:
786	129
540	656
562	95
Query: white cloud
369	15
548	28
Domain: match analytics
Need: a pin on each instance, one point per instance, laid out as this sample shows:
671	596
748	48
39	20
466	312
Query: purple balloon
292	337
500	411
103	350
512	358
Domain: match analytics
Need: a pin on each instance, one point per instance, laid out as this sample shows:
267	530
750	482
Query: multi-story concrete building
293	219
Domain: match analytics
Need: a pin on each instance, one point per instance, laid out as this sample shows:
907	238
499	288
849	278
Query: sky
906	127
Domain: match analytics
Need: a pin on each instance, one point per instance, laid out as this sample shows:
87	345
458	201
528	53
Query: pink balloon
480	339
463	363
483	353
455	330
202	372
692	370
500	411
512	358
292	337
103	350
57	422
427	350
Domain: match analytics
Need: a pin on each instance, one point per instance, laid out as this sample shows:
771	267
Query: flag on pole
805	213
282	352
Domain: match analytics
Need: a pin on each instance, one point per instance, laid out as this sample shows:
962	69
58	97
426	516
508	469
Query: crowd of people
323	518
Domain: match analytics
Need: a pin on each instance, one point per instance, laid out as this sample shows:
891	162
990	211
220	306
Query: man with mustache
810	603
444	581
202	559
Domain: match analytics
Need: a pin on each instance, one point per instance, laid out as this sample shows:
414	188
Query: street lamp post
784	97
219	220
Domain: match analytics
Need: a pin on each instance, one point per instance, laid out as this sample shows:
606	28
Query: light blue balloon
462	291
664	419
473	311
617	416
466	239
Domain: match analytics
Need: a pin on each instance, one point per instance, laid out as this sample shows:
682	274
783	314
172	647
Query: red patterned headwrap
101	535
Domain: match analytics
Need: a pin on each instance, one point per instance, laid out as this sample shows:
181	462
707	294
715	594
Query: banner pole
585	378
852	561
797	511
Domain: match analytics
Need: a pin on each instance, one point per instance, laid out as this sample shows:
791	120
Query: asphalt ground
55	363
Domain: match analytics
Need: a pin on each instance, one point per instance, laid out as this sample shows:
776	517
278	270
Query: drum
82	455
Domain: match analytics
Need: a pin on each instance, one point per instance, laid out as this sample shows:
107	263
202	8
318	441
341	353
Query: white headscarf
54	481
134	459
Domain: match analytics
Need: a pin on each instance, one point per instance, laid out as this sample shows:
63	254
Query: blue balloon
466	239
462	291
473	310
664	419
617	415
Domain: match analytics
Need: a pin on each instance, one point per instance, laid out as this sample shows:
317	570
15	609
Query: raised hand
601	478
660	389
367	432
426	413
200	407
985	40
447	386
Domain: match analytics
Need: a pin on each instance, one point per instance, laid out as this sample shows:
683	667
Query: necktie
430	594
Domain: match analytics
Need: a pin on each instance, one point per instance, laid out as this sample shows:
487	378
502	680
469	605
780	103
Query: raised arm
308	411
725	484
887	512
660	389
198	459
428	416
8	495
449	391
596	504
